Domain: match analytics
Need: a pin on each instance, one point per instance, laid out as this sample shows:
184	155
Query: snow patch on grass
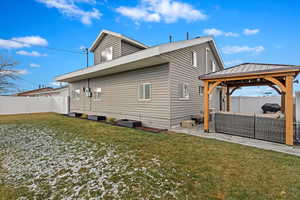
49	167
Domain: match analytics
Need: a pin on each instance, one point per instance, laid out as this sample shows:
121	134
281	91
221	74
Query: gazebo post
289	111
227	99
206	106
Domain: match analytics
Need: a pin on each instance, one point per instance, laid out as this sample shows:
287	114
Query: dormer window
107	54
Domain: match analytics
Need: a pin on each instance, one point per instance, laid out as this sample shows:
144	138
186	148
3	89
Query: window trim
194	59
139	95
187	97
206	60
77	97
101	60
214	66
95	91
201	94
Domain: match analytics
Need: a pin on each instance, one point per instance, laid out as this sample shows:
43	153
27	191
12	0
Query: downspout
90	97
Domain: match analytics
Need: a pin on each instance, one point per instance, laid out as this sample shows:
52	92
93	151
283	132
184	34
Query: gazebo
279	77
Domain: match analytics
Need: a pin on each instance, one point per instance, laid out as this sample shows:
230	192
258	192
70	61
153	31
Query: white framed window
76	94
201	90
206	60
97	94
106	54
145	92
194	59
184	91
214	66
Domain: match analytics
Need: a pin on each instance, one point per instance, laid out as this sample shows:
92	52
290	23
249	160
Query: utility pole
86	52
87	57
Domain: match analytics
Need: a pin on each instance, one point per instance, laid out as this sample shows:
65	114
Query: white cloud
251	31
21	42
216	32
231	34
8	44
32	53
240	49
70	9
22	72
34	65
213	31
31	40
168	11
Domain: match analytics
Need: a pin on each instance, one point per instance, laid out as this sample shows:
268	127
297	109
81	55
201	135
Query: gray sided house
157	85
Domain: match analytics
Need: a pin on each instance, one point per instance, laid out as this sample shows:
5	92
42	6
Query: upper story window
206	60
76	94
214	66
194	59
97	94
145	91
106	54
184	91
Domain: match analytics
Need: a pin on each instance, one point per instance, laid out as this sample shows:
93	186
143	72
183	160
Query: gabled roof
125	38
249	69
140	59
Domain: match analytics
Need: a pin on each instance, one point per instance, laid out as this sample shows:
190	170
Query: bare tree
8	74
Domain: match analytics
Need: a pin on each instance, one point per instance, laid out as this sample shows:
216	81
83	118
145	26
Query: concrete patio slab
198	131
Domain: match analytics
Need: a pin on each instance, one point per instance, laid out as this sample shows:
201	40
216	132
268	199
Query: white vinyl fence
246	104
19	105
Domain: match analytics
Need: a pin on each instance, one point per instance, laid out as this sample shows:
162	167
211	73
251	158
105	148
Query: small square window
97	94
184	91
145	91
194	59
201	90
76	94
106	54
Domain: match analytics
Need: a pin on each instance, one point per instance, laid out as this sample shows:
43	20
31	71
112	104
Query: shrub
84	116
111	120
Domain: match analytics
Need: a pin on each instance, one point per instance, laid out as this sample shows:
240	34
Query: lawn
49	156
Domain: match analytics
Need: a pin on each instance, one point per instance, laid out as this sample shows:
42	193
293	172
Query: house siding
182	71
127	48
165	109
120	96
108	41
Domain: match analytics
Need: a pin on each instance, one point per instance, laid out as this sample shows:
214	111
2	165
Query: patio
261	144
278	77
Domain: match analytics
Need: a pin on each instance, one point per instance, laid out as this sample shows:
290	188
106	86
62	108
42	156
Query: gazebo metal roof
248	69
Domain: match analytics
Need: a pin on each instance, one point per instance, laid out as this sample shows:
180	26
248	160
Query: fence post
254	121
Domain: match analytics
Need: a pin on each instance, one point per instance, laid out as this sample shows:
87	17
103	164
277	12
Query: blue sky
245	31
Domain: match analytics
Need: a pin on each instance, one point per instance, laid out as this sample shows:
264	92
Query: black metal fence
252	126
297	132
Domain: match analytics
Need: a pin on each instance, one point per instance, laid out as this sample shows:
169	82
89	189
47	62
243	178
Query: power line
32	83
51	48
84	51
62	50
